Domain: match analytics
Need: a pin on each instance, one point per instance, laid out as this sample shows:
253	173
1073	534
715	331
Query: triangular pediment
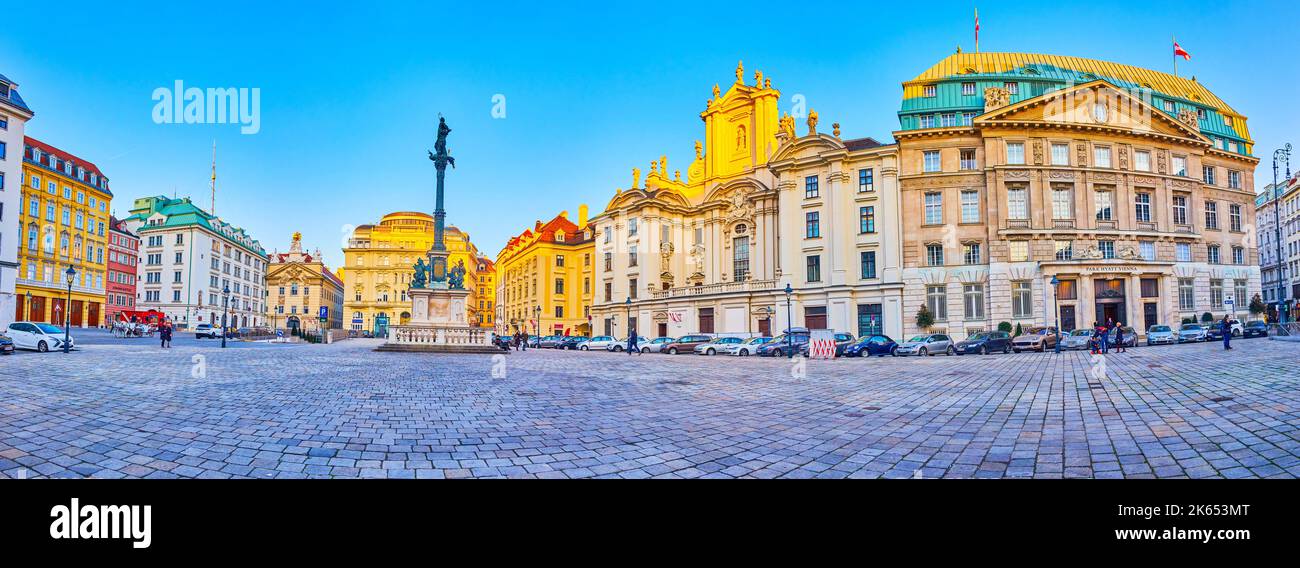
1096	105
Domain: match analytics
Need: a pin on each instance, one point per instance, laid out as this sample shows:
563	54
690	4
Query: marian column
438	269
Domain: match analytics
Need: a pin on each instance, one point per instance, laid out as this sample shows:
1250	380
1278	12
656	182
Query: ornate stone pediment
1089	105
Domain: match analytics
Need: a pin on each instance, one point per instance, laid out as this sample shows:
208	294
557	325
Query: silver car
1077	339
718	345
655	345
1191	332
748	347
1161	335
930	344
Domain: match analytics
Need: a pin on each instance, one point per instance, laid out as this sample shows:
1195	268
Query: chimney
582	216
538	226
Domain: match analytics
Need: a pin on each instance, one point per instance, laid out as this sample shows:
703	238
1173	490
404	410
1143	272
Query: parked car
572	342
785	344
600	342
1191	332
1256	328
747	347
205	331
928	344
36	335
1161	335
6	345
550	342
685	344
985	342
842	341
654	345
1130	337
717	345
1038	338
878	345
533	341
1077	339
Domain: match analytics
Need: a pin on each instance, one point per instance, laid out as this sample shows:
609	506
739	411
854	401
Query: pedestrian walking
1119	338
165	333
631	344
1225	326
523	341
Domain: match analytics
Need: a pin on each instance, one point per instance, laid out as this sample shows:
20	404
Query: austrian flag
1180	52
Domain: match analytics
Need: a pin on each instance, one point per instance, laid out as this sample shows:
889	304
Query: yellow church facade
379	260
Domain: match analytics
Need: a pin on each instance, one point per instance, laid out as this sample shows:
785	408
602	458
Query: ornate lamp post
789	322
628	315
537	322
67	332
1056	309
28	305
1281	154
225	310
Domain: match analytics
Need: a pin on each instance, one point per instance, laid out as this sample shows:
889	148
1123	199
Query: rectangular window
1211	215
1180	166
1016	153
948	119
970	206
1150	287
868	258
1012	87
631	256
814	265
1148	250
1186	295
934	209
1216	293
967	89
559	285
1142	207
1238	255
967	159
926	120
1062	203
973	296
1064	250
1107	249
936	298
632	287
1017	203
1018	251
559	260
934	255
866	180
871	320
740	258
810	187
1067	290
968	118
631	227
1212	254
1183	252
932	163
1234	218
1022	299
1239	293
812	225
867	219
970	253
1103	202
1101	156
1060	154
1207	174
1234	179
1180	210
1142	161
929	91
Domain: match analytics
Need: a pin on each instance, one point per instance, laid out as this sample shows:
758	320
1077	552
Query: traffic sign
324	312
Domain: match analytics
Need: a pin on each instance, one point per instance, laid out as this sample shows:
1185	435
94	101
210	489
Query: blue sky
350	94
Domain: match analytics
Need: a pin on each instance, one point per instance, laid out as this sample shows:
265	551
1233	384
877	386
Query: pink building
123	255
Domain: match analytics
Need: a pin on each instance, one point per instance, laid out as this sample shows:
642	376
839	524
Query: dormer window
559	236
928	91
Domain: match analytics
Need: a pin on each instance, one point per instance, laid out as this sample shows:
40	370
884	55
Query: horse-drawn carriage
137	324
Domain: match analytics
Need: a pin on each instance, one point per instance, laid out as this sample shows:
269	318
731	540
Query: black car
1255	328
783	345
6	346
984	343
571	342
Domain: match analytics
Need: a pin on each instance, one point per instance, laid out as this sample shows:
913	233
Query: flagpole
977	30
1175	57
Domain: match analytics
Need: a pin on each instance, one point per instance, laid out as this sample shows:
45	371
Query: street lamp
67	332
628	316
537	321
1056	309
789	322
225	309
28	305
1283	154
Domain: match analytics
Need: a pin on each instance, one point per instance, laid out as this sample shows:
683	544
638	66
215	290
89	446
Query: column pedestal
439	324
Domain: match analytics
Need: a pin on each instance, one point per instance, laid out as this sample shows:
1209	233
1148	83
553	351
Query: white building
188	258
14	115
1268	220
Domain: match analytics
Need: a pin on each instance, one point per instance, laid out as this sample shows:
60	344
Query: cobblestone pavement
129	409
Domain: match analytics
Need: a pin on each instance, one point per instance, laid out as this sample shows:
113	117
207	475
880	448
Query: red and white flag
1180	52
977	30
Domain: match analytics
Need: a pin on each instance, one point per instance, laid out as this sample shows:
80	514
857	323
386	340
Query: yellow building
486	289
64	218
379	261
544	283
298	284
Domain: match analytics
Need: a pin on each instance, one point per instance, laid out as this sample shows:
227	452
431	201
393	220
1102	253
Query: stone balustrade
430	334
718	288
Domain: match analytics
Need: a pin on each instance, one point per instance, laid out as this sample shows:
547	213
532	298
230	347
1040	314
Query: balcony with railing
717	288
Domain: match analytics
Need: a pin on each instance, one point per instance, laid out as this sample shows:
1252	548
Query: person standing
1225	327
1103	336
1119	338
165	334
631	344
523	341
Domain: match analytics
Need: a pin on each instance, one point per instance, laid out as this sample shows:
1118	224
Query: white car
655	345
599	342
719	345
746	348
36	335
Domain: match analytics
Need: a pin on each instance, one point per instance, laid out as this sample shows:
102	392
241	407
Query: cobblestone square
125	408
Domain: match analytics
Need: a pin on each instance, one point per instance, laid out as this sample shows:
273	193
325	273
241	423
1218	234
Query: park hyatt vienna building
1131	189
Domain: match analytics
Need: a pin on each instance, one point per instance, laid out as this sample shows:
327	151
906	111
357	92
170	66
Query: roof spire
214	177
